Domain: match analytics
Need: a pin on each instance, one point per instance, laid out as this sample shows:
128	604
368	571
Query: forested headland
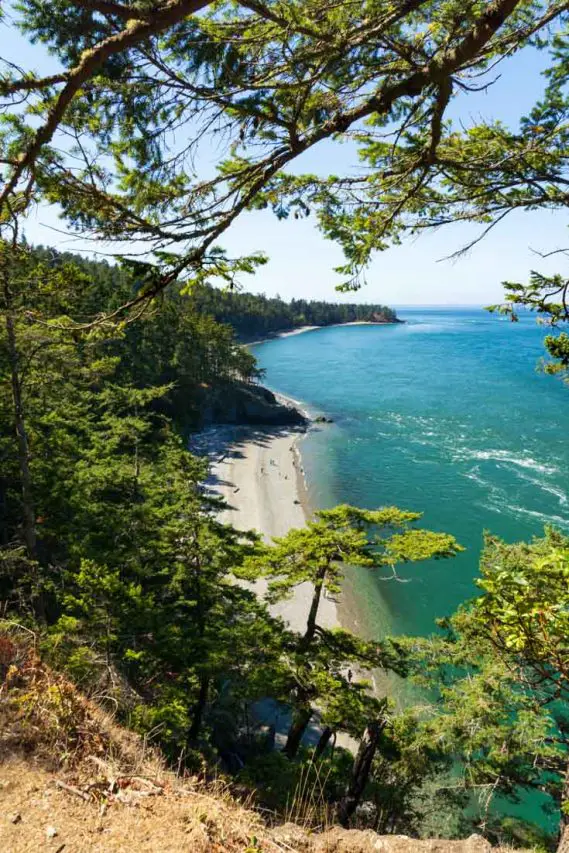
253	315
189	345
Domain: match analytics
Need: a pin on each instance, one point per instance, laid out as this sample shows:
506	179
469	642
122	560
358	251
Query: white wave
492	506
410	421
474	474
495	495
429	328
546	487
507	457
541	516
559	493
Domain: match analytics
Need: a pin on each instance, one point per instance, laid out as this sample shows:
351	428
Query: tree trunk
300	721
313	612
199	709
563	845
360	771
28	510
322	743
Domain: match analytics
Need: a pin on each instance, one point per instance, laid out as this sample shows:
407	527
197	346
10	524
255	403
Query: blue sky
301	260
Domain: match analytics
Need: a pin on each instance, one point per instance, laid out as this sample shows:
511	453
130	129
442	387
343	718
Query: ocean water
447	415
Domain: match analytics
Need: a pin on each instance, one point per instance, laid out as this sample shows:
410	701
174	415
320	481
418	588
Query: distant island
255	316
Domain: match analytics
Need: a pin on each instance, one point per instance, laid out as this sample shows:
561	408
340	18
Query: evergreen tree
279	82
316	554
501	673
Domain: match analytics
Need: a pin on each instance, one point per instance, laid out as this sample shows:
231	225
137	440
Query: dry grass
308	807
69	772
66	766
178	819
44	715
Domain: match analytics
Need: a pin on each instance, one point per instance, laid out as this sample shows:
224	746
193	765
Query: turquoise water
445	414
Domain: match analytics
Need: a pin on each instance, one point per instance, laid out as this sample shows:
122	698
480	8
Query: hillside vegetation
71	778
113	556
253	315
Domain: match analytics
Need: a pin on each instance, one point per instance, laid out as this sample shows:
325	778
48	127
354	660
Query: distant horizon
438	305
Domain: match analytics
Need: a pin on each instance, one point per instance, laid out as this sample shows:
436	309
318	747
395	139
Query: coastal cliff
244	403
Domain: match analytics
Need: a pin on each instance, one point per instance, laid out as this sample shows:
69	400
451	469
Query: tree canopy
120	137
500	673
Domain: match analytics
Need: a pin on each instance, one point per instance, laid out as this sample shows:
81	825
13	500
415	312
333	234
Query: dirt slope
164	816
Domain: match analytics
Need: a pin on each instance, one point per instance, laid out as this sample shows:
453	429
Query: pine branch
91	61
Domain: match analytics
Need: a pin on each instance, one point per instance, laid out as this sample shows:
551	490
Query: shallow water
445	414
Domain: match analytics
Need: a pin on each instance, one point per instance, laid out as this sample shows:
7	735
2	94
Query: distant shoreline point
287	333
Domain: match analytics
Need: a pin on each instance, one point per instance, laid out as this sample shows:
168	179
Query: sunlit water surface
446	414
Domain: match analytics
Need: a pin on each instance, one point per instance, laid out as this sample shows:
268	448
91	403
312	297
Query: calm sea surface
445	414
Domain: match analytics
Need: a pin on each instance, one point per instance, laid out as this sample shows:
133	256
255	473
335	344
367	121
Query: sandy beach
301	329
287	333
298	331
259	474
258	471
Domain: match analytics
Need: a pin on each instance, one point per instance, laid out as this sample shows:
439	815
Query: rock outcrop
242	403
338	840
378	317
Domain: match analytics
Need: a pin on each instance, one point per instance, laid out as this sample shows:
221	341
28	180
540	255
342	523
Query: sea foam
508	458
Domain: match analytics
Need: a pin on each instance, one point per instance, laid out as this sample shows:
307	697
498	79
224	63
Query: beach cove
258	471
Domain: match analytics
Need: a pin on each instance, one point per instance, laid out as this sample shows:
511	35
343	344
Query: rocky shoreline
246	404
